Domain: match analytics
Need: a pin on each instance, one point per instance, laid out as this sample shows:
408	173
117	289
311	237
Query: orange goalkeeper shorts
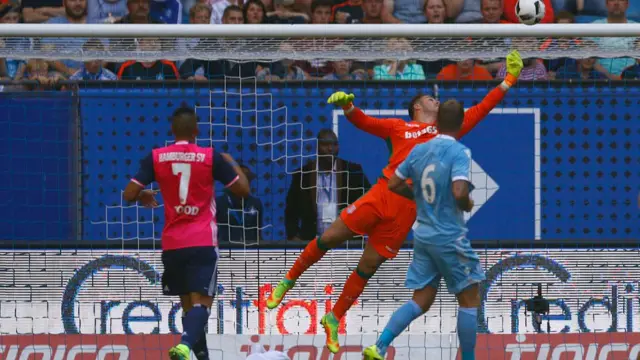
384	216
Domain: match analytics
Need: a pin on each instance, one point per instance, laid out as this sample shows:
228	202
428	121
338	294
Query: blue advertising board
550	163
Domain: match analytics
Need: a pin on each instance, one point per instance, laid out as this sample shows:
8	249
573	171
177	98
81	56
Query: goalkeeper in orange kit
384	216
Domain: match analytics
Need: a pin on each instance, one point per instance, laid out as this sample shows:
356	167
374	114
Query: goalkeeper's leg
357	219
335	235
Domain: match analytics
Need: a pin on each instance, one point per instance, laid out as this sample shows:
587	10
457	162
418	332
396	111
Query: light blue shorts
455	261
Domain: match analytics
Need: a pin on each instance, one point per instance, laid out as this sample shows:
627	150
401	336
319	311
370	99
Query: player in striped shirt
384	216
185	173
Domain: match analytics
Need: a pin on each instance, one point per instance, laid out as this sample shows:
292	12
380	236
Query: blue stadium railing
68	154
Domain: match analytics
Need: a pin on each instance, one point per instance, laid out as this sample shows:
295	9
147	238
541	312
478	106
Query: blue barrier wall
38	190
584	140
560	163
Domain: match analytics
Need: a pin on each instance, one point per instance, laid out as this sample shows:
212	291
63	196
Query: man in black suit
321	189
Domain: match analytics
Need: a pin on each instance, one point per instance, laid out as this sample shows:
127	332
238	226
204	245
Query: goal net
554	168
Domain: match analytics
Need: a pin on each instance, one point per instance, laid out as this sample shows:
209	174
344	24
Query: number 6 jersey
185	173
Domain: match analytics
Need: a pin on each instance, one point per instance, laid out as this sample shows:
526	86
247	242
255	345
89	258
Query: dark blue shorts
190	270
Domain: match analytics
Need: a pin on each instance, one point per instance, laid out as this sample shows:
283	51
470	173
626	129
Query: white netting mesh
306	42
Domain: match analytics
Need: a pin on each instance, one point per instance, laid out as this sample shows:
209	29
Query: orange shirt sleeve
475	114
379	127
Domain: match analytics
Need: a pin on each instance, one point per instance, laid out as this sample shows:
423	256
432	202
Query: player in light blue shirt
439	171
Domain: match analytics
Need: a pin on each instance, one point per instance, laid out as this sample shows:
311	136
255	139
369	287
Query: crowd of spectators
320	12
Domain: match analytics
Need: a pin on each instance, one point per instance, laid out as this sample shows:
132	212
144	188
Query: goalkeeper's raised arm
378	127
476	113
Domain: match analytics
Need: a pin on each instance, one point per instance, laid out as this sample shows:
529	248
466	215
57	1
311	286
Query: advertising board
95	292
602	346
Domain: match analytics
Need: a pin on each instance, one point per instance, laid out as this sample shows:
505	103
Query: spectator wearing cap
240	220
12	68
93	70
321	189
254	12
148	70
412	11
218	9
39	11
464	70
398	69
616	14
321	11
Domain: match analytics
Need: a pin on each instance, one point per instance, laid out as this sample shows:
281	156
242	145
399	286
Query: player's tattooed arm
400	187
462	196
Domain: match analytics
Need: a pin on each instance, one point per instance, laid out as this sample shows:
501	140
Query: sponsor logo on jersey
416	134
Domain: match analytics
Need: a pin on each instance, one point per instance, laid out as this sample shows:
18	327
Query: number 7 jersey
185	173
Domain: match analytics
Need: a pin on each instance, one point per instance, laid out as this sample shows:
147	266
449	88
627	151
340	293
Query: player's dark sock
399	321
200	348
194	324
467	328
312	253
352	289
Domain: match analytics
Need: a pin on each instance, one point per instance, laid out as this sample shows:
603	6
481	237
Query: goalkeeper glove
514	67
341	98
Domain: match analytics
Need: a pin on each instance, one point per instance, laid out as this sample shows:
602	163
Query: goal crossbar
319	31
364	42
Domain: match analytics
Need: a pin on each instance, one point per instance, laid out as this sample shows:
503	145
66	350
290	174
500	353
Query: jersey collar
447	137
182	142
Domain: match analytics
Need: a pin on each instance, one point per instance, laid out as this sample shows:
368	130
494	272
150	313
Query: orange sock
312	253
352	289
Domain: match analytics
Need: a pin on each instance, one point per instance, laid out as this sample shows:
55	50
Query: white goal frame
318	31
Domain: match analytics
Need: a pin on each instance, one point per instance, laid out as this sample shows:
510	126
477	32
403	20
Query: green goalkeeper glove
514	63
341	98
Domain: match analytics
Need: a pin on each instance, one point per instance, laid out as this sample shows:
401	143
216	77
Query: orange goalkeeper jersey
401	136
